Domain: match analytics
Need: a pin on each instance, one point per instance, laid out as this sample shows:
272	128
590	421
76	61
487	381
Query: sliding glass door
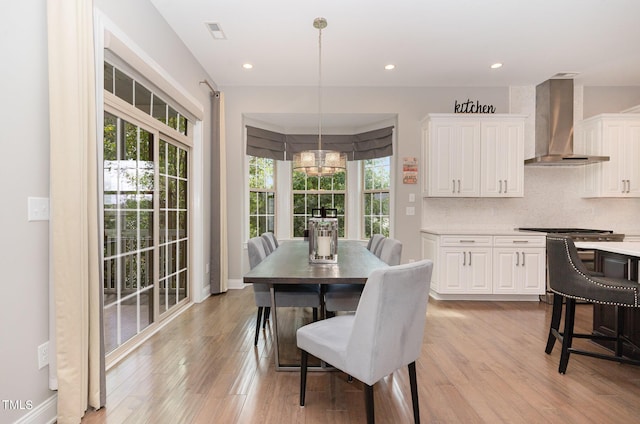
146	217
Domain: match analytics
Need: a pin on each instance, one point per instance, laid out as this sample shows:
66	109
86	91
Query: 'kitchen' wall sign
471	107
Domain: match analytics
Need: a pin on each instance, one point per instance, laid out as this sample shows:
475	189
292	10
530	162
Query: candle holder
323	237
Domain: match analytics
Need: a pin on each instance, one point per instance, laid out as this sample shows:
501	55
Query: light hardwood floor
482	362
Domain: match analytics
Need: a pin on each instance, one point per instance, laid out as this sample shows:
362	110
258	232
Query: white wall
24	172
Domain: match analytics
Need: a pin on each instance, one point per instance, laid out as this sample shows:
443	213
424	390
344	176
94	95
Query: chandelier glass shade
319	162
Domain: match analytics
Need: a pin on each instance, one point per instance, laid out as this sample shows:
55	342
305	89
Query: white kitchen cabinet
471	266
452	157
616	136
465	270
473	155
502	157
519	265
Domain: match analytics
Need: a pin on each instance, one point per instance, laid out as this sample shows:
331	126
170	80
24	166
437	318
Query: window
262	196
376	196
316	192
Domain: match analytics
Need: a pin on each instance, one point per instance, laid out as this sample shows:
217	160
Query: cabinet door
502	162
454	158
479	271
505	271
632	157
533	271
519	271
465	271
613	170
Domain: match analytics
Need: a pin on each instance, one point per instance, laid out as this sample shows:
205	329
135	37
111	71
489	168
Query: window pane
172	118
340	181
159	109
182	126
299	224
299	181
182	163
143	98
108	77
124	86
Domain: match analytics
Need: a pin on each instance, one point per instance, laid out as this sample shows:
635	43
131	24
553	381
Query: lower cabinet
604	316
518	271
466	270
486	267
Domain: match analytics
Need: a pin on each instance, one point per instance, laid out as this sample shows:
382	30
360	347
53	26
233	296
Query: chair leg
267	314
569	318
315	314
255	340
368	401
414	392
555	322
303	375
619	330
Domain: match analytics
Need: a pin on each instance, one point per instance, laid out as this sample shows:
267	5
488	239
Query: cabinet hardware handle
517	258
458	186
628	186
522	258
453	183
500	190
506	186
521	241
469	258
467	241
464	258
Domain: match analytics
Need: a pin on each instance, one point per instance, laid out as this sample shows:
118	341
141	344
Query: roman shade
274	145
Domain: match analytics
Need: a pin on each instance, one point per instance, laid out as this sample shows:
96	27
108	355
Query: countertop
630	248
479	230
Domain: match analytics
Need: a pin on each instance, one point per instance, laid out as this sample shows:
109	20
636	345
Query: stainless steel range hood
554	127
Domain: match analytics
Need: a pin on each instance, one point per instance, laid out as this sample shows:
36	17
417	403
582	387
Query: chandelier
319	162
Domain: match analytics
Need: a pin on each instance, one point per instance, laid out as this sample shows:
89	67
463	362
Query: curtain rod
213	90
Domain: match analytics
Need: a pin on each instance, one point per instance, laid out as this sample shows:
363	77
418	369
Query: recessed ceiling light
216	31
389	66
496	65
247	66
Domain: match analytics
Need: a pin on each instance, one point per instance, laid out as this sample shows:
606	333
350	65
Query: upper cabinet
473	155
616	136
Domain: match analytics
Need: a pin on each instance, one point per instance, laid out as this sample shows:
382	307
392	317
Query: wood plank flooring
482	362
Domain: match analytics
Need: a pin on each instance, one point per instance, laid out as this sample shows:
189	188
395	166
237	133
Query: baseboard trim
46	412
236	284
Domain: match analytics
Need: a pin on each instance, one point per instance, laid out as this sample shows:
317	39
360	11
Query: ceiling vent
216	31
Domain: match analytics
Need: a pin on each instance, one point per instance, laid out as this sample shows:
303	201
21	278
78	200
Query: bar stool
570	281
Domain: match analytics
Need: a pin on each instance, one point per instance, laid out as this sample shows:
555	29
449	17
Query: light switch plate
38	209
411	210
412	197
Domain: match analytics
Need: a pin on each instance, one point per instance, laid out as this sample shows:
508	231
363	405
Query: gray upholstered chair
373	241
391	251
385	333
376	248
303	295
570	280
345	297
271	242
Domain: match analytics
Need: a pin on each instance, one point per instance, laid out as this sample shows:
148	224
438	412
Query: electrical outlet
43	355
38	209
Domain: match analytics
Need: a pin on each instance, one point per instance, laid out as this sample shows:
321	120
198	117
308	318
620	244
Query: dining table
290	264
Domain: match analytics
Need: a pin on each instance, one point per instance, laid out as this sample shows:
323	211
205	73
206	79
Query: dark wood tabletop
289	264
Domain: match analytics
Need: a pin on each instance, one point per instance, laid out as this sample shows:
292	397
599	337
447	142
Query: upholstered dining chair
384	335
271	242
569	281
391	251
303	295
373	242
345	297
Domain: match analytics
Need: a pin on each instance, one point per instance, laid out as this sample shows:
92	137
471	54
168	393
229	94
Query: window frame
364	192
273	190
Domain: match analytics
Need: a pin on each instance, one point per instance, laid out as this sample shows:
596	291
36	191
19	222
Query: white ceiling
432	43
